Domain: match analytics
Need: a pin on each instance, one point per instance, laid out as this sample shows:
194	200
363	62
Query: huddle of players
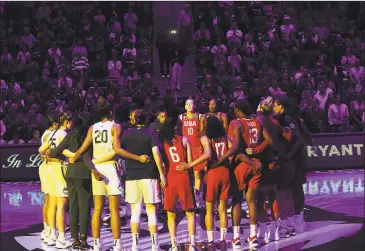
252	156
256	157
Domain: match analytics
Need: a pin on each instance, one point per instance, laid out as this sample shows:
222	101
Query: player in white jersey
105	136
43	172
58	192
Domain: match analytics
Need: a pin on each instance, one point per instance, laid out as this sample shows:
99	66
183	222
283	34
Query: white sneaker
174	249
61	244
272	232
135	248
98	247
51	240
117	246
155	248
299	224
261	230
43	235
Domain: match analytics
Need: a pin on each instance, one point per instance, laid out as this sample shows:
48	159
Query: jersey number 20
101	136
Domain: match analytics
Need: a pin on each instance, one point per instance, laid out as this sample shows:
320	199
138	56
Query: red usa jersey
175	153
252	135
219	147
190	126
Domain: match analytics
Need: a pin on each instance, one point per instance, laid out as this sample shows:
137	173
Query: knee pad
136	213
151	214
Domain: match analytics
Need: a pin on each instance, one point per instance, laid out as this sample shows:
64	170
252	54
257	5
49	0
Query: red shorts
218	184
247	176
196	152
178	187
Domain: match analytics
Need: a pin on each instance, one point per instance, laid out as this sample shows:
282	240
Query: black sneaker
85	246
75	246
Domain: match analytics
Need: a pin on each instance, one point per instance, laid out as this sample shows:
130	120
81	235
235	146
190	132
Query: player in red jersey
247	132
177	150
213	107
189	123
217	180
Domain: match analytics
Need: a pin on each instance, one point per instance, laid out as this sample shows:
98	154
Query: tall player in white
43	173
58	192
105	139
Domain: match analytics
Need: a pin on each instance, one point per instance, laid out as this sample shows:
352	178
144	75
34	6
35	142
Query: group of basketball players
260	154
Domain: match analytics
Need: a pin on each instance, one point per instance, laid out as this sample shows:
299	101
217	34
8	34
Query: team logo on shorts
65	191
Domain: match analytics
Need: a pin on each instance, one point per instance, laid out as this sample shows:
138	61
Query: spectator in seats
114	67
184	21
144	60
99	17
235	60
44	13
146	20
275	90
60	20
80	64
129	56
164	54
36	139
27	39
348	60
357	71
130	20
64	81
357	108
248	43
322	30
16	139
127	37
5	62
178	61
234	36
338	116
362	53
201	36
217	33
249	58
54	53
45	37
79	48
287	30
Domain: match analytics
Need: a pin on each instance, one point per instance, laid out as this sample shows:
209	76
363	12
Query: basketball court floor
334	215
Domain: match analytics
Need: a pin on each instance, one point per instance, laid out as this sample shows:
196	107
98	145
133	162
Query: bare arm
109	156
43	148
187	146
116	131
202	125
206	155
158	159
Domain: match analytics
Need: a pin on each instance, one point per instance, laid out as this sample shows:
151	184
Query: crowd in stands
314	53
71	56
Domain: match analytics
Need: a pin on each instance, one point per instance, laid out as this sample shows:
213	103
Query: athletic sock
117	243
236	232
44	226
192	240
135	238
97	242
53	231
210	236
253	228
290	221
283	224
154	239
61	235
173	242
223	234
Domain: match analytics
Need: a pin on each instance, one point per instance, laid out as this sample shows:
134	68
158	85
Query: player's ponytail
167	134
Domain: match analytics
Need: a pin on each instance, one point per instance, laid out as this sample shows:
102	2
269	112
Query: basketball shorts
57	179
247	176
178	188
218	184
111	183
144	190
44	177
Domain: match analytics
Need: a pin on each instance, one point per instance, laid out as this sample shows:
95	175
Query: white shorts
44	177
146	190
111	183
57	179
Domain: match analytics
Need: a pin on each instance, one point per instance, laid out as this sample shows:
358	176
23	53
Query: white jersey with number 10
102	138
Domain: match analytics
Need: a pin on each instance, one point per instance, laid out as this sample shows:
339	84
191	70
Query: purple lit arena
218	125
